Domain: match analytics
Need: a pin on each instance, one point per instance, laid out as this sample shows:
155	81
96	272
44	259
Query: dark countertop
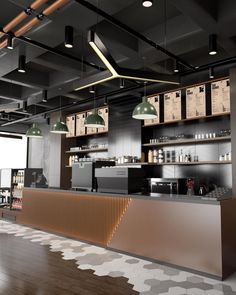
151	196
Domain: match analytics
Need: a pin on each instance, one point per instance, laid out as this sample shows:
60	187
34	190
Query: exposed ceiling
181	27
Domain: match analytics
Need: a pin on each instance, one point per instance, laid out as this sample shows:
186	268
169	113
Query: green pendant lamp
94	120
145	110
34	131
59	127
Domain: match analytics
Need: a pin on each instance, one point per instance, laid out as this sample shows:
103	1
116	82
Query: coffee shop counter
184	231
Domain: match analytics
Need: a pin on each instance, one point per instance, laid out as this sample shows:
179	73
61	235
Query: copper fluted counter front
197	236
83	216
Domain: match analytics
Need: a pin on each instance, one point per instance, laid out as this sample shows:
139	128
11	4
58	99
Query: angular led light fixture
115	71
144	110
94	120
212	44
34	132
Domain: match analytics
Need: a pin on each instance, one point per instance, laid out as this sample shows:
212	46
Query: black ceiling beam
58	52
134	33
54	50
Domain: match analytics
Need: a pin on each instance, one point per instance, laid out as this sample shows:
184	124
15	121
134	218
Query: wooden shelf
92	134
186	120
88	151
188	141
177	163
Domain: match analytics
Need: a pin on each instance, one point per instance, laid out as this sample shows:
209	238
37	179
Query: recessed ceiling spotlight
212	44
147	3
69	37
21	64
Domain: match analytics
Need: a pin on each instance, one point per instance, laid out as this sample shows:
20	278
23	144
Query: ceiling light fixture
212	44
69	36
147	3
94	120
59	127
176	66
10	41
122	83
211	73
21	64
144	110
116	72
92	89
45	95
34	131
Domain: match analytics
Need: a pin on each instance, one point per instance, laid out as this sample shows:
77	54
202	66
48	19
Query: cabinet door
103	112
89	129
155	101
70	122
80	129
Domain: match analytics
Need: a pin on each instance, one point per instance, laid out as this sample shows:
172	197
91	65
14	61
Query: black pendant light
21	64
45	95
69	37
176	66
211	73
92	89
212	44
10	41
122	83
147	3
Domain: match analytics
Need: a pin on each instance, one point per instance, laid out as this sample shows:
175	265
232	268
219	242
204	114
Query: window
13	151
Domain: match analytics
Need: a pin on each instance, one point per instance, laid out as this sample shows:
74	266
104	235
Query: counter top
150	196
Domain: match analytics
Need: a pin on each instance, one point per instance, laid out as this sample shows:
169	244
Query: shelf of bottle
176	163
188	141
88	151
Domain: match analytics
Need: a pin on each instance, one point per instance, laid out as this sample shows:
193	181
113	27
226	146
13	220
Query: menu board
103	112
172	106
80	128
70	122
91	130
196	101
155	101
220	97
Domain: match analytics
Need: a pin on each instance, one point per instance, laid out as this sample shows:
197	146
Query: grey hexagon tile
152	282
115	274
222	287
132	261
195	279
152	266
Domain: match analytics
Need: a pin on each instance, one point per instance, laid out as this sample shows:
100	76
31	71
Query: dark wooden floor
31	269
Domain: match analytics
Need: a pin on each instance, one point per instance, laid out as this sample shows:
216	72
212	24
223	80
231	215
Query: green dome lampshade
59	128
34	131
144	110
94	120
